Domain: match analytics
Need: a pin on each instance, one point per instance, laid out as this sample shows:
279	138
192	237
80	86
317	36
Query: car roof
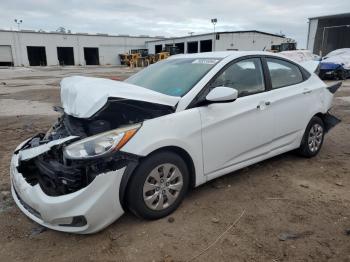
223	54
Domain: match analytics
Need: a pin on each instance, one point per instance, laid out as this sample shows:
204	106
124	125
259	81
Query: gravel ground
294	209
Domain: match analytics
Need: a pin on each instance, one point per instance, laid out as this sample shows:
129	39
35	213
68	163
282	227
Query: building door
6	55
65	55
158	48
192	47
181	47
36	55
206	46
91	56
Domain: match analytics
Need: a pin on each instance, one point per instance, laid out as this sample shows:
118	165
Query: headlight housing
100	144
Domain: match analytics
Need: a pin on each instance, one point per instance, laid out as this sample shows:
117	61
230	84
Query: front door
236	132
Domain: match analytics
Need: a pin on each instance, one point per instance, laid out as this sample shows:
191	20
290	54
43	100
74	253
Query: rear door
292	99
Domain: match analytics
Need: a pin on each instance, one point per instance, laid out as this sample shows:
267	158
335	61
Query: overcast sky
169	18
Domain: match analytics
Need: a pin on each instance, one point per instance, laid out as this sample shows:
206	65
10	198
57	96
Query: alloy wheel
315	137
162	186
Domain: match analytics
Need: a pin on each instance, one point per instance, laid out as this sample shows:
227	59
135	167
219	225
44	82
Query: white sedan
141	144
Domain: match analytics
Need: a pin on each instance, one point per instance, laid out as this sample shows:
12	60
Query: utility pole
214	21
18	22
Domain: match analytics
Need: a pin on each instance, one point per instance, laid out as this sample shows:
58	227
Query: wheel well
185	156
320	115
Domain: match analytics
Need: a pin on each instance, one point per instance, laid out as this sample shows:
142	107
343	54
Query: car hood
84	96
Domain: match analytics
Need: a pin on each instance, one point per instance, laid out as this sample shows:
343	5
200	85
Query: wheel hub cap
162	186
315	137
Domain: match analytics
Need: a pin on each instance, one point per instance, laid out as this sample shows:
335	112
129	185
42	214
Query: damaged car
141	144
336	65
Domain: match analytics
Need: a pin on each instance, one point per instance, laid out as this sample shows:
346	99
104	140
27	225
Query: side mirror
222	94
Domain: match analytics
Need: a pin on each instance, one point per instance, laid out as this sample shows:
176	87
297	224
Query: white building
220	41
30	48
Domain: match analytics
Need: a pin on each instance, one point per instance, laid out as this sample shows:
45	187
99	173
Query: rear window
174	77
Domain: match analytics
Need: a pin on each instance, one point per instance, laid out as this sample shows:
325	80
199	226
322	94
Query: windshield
174	77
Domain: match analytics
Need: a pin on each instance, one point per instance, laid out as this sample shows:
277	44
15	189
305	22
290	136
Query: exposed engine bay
57	175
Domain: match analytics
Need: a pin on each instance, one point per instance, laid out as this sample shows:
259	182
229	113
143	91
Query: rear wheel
158	185
313	138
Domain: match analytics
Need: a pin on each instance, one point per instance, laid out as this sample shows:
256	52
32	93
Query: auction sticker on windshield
205	61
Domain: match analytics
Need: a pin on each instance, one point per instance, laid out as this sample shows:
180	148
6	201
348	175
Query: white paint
101	206
84	96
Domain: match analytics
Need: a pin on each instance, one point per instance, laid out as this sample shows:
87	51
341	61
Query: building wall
109	46
313	23
333	37
244	41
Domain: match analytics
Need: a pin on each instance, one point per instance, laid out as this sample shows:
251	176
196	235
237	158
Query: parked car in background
141	144
336	65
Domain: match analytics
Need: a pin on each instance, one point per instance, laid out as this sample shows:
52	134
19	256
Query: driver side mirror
222	94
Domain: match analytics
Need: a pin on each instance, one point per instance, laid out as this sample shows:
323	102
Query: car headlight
100	144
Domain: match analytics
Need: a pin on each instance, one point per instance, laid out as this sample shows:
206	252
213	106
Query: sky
168	18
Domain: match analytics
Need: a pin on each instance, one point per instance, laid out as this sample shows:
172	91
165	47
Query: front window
174	77
246	76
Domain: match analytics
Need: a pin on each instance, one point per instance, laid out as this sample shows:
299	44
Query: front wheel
158	185
313	138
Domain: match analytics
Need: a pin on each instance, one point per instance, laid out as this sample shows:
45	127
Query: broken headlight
103	143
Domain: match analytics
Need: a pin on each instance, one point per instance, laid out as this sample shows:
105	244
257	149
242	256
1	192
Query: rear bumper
87	210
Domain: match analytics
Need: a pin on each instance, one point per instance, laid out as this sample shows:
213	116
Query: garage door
5	55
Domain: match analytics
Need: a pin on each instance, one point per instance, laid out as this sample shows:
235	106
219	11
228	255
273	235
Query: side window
246	76
283	73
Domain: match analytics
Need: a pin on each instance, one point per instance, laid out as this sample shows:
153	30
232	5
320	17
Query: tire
153	192
313	138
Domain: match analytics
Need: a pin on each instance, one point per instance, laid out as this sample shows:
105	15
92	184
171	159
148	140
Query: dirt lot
306	201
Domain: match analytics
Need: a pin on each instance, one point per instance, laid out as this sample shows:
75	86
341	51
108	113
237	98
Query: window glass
283	73
246	76
174	77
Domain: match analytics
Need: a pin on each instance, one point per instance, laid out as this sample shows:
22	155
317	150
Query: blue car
336	65
333	71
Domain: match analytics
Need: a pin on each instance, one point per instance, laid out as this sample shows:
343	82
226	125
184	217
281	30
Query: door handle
307	91
262	105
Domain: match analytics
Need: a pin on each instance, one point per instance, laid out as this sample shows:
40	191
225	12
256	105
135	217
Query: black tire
135	189
305	148
342	75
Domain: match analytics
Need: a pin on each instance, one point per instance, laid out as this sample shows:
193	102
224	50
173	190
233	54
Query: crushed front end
71	195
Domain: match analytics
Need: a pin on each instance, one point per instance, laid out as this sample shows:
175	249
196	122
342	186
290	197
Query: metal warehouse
30	48
327	33
220	41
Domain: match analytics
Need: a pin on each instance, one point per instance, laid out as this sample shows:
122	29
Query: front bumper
87	210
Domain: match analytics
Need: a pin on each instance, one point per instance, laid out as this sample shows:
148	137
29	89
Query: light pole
214	21
18	22
324	32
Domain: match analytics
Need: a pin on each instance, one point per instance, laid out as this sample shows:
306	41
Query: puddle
14	107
